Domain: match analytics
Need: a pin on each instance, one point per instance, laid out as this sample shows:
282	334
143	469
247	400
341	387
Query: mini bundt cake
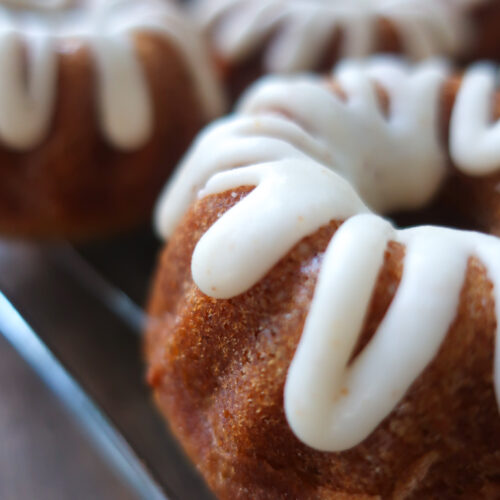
299	345
98	100
251	37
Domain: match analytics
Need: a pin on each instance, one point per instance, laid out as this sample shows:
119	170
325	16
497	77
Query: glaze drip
474	139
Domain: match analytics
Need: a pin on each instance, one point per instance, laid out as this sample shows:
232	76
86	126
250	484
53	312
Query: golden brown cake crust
75	184
218	369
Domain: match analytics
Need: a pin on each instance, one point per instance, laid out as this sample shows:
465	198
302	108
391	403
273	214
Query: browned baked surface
75	184
218	369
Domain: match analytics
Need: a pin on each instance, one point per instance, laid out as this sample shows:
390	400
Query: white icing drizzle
474	140
126	112
25	109
329	405
287	139
240	27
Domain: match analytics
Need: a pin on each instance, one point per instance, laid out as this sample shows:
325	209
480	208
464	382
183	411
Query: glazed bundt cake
389	393
299	345
98	100
251	37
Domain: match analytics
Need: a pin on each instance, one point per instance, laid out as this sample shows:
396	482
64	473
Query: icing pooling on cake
286	155
396	161
239	28
108	26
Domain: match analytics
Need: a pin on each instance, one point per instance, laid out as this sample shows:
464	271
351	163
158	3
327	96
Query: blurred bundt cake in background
98	100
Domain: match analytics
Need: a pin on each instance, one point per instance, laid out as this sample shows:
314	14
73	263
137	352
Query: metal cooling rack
73	314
